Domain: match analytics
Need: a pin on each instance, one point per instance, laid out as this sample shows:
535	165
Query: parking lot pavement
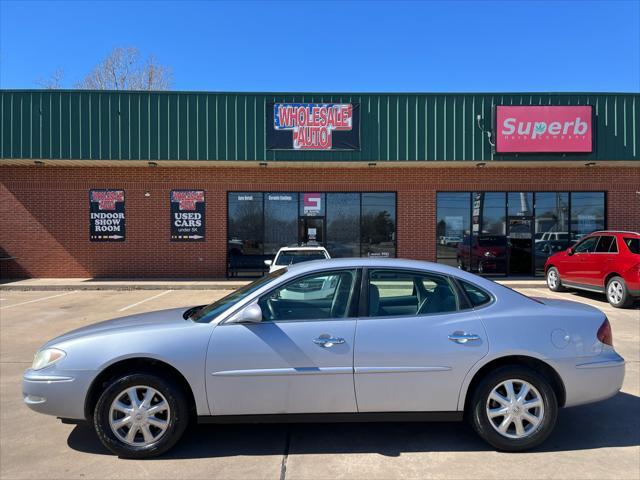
592	441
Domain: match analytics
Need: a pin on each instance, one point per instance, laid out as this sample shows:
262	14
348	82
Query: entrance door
520	238
311	230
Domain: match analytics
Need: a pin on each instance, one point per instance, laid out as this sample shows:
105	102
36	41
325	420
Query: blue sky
431	46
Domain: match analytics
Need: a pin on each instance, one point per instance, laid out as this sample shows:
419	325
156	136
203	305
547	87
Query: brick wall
44	210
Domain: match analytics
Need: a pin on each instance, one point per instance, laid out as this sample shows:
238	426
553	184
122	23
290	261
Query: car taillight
604	333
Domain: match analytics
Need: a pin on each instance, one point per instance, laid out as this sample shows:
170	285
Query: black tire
626	300
178	419
557	285
482	424
461	264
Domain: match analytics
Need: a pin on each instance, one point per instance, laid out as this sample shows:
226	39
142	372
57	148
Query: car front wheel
140	416
618	294
514	409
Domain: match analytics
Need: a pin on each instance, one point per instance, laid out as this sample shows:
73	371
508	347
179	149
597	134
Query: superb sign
313	126
544	129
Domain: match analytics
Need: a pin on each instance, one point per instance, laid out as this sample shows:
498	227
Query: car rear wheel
553	280
514	409
140	416
617	293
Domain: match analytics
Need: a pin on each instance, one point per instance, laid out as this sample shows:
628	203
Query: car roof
619	232
287	249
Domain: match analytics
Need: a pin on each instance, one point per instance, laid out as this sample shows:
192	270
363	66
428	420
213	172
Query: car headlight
489	254
47	357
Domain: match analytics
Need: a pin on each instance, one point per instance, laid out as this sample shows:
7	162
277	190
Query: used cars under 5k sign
333	339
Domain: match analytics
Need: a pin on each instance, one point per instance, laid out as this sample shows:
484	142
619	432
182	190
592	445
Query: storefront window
246	232
347	224
513	232
587	213
280	221
378	225
343	224
551	226
452	227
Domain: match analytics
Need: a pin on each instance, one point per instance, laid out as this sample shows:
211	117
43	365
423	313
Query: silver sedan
334	340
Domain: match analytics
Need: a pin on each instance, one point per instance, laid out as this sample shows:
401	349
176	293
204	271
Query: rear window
476	295
633	244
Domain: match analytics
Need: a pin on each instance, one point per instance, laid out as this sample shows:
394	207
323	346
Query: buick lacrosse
333	340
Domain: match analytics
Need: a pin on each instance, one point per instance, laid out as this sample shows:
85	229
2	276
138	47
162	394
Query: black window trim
364	307
491	301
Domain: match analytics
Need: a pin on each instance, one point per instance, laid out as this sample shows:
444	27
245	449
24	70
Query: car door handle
326	341
462	337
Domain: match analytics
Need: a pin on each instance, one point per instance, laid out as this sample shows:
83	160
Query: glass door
520	233
311	230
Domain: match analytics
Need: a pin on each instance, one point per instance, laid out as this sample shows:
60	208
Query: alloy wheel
552	279
615	292
139	415
515	408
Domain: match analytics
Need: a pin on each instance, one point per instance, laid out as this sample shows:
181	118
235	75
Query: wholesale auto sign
106	216
187	215
313	126
544	129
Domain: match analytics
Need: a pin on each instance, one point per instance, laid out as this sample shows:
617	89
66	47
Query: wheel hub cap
515	408
139	416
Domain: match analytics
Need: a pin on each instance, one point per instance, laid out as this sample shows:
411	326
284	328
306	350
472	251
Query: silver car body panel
385	364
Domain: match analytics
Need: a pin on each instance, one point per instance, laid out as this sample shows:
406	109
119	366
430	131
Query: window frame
613	243
492	298
353	308
363	312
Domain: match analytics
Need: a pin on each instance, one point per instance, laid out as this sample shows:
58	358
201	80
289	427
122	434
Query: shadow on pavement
612	423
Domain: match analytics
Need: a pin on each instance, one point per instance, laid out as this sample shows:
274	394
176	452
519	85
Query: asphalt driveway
593	441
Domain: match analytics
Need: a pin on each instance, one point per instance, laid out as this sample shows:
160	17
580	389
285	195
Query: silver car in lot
390	340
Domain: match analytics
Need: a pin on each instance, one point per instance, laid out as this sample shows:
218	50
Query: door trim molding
271	372
348	417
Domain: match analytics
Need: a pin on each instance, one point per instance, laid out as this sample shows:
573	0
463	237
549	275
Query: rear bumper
59	393
594	379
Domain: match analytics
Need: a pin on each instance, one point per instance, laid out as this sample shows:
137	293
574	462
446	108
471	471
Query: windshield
206	314
297	256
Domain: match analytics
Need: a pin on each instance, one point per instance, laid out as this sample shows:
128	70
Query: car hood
160	318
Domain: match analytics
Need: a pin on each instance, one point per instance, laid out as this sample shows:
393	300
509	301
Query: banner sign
544	129
312	204
313	126
187	215
106	216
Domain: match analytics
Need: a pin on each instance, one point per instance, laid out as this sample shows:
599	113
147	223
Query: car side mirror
249	314
268	262
569	251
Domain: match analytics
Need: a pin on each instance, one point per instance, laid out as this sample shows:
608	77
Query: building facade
200	185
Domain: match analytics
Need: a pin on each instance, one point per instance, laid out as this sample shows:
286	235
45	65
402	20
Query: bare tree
124	70
53	81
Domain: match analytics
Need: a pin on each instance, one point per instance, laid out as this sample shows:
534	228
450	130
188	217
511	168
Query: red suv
605	262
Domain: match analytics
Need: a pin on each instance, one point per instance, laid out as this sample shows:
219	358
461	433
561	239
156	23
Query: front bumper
594	379
58	393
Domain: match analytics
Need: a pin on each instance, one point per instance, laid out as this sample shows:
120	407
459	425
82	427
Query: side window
319	296
605	243
405	293
633	244
476	295
587	245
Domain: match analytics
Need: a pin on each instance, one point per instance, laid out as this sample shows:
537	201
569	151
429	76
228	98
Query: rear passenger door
600	262
415	342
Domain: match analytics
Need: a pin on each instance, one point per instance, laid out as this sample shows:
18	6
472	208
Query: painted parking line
37	300
144	301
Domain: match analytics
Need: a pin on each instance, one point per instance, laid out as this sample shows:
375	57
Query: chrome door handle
462	337
326	341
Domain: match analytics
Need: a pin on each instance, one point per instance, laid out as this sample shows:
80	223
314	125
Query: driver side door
298	359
